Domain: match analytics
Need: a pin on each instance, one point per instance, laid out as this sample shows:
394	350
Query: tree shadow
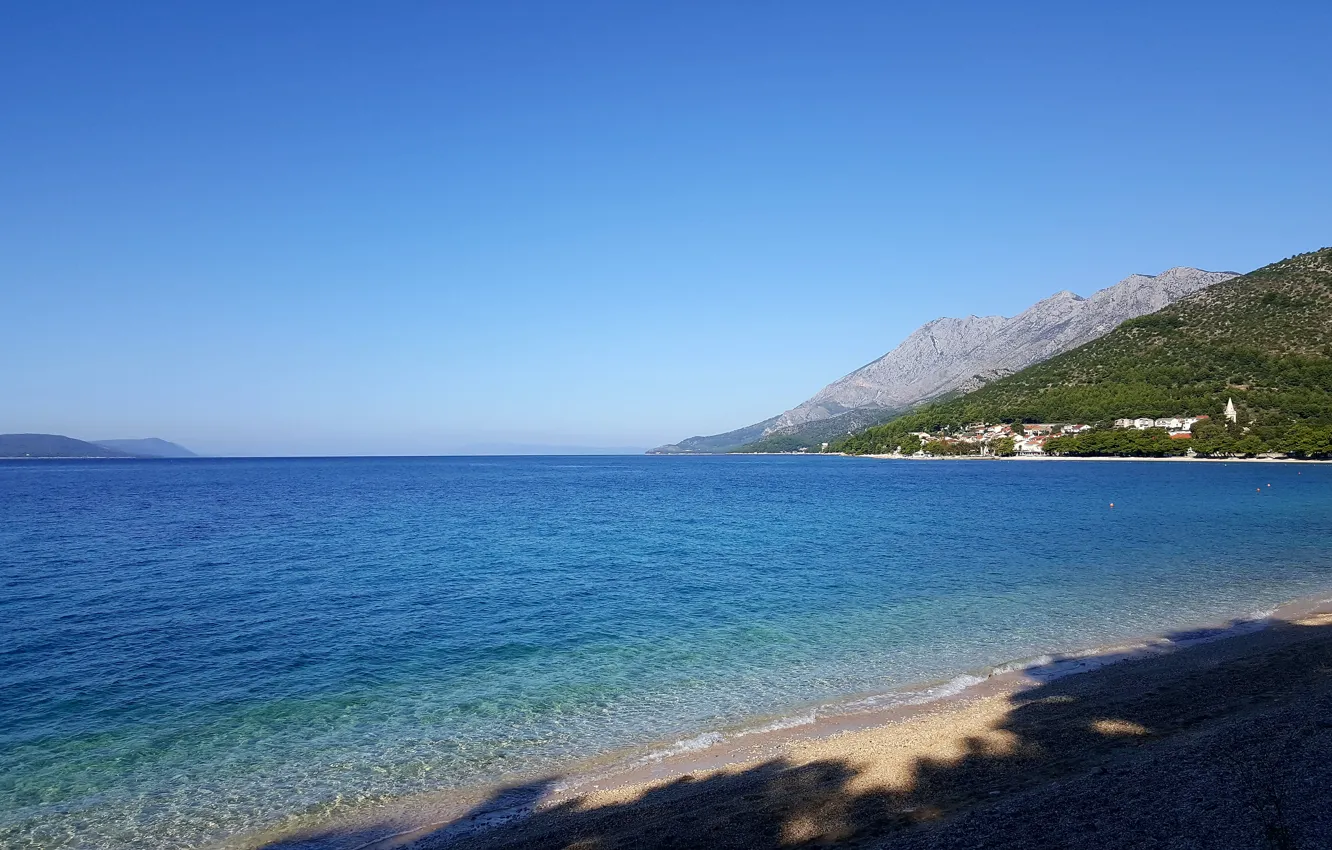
1223	744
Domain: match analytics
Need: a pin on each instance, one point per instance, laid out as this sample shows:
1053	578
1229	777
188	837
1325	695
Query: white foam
791	722
952	687
1019	666
688	745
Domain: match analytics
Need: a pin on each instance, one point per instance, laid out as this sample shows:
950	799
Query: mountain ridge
1263	340
949	355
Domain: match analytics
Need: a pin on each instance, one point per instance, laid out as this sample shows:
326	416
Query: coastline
1025	458
888	734
1018	458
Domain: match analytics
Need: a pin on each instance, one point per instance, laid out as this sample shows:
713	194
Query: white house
1029	445
1142	423
1170	422
1123	423
1075	429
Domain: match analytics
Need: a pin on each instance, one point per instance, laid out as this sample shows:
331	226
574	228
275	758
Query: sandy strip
894	770
913	768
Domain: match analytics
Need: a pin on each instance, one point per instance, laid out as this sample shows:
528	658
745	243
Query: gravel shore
1220	745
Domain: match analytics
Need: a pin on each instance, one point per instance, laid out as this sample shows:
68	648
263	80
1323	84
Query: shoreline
932	714
1040	457
1098	458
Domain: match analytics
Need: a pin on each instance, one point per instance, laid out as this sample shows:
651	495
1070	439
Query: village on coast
992	440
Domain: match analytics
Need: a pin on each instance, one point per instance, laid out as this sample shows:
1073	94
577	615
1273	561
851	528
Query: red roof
1184	436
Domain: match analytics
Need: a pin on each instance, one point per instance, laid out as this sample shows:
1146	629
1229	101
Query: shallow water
193	649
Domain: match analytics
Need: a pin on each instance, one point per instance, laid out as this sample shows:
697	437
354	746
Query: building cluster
1178	427
1032	439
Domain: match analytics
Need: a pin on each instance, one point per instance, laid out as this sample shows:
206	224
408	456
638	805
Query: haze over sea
197	649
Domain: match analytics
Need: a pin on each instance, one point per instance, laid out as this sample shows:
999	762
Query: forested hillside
1264	338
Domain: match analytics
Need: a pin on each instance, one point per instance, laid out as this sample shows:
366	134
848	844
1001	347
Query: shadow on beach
1218	745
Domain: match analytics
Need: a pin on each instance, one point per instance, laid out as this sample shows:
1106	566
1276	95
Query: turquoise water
190	650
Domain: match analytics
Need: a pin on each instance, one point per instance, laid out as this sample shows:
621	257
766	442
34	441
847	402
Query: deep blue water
193	649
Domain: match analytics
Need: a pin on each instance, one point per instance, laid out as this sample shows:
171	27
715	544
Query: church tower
1230	411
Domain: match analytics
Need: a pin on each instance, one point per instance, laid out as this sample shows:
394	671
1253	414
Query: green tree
909	444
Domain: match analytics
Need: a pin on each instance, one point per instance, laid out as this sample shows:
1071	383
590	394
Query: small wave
791	722
1071	665
951	688
688	745
1019	666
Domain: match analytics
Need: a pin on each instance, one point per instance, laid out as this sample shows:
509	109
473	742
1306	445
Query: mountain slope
947	355
918	368
1264	339
717	442
148	447
52	445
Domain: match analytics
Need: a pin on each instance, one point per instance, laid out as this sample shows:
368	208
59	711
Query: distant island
57	446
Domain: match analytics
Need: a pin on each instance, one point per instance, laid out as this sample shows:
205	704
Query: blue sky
308	228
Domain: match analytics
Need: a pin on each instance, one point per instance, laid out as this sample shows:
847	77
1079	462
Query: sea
194	653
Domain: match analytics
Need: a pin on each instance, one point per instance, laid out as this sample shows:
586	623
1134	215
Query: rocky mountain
953	355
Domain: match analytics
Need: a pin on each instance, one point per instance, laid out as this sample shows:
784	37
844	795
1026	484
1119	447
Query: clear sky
414	227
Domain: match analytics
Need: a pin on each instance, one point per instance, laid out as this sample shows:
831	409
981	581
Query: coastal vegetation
1263	339
777	443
